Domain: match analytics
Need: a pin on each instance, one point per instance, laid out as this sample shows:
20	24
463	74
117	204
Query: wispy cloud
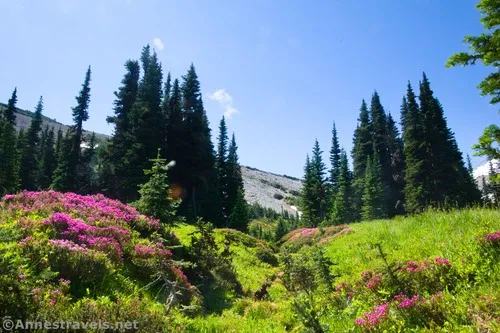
158	43
225	101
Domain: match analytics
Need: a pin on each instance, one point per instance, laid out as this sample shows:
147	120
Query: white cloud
158	43
225	101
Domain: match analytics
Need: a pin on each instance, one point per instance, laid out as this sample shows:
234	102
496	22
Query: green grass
448	234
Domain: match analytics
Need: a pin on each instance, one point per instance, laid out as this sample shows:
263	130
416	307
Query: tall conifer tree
29	167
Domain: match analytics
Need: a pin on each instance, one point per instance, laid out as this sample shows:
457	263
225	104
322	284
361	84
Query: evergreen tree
239	216
362	149
342	204
165	109
59	141
9	153
448	180
234	179
380	146
29	167
415	192
281	229
373	193
10	111
146	124
307	194
396	158
48	161
114	174
494	184
155	197
314	192
334	161
65	175
87	175
222	167
199	174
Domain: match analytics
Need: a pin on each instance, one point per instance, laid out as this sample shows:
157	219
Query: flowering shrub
72	247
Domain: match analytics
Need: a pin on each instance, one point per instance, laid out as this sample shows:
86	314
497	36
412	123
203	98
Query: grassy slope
452	235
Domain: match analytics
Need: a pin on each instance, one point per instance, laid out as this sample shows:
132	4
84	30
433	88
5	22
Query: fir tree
48	161
59	141
114	174
334	161
239	216
155	197
145	132
373	192
448	180
380	146
362	149
65	175
87	175
314	192
222	167
9	153
396	158
198	156
307	194
10	111
414	152
29	167
342	204
234	179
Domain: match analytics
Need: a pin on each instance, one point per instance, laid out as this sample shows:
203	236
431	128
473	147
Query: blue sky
288	69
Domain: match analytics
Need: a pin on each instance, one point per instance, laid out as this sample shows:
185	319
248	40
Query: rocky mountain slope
23	120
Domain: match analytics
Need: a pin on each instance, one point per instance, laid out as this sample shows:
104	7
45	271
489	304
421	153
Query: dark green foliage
415	156
125	98
342	209
145	127
213	271
65	175
334	161
362	149
9	156
29	165
234	180
396	157
239	215
373	192
156	199
48	160
282	229
314	196
448	180
221	164
86	170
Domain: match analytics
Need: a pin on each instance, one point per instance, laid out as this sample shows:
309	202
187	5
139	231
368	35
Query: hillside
23	120
88	258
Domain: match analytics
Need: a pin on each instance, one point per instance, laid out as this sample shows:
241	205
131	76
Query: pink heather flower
22	276
491	238
52	302
36	290
374	282
408	302
61	280
371	319
398	296
442	261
